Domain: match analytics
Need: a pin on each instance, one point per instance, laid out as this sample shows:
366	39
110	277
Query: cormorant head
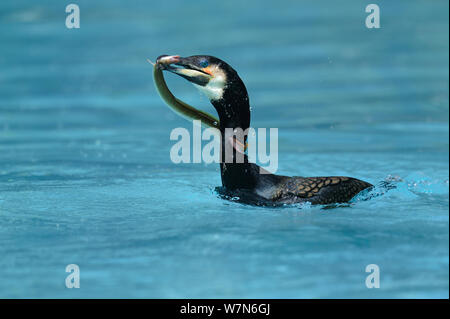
207	73
218	81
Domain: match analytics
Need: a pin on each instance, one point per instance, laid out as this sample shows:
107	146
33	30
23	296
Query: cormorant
228	94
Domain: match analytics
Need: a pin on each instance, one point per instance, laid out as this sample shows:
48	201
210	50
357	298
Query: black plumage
233	108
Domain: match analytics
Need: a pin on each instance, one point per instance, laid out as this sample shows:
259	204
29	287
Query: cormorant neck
234	112
233	107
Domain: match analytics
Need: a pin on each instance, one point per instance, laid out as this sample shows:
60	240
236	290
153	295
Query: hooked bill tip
168	59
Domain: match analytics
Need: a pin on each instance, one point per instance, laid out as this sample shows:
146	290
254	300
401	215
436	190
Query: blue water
86	177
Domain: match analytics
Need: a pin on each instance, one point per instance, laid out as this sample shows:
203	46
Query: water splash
412	186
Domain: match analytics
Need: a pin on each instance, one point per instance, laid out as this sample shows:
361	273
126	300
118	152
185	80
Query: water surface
86	177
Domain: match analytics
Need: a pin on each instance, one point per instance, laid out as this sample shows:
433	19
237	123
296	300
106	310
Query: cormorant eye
204	63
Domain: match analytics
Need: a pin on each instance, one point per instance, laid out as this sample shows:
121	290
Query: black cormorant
228	94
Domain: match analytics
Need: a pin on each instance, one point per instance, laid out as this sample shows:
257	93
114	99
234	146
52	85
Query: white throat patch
215	87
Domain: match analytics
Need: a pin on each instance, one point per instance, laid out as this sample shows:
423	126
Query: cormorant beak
184	67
